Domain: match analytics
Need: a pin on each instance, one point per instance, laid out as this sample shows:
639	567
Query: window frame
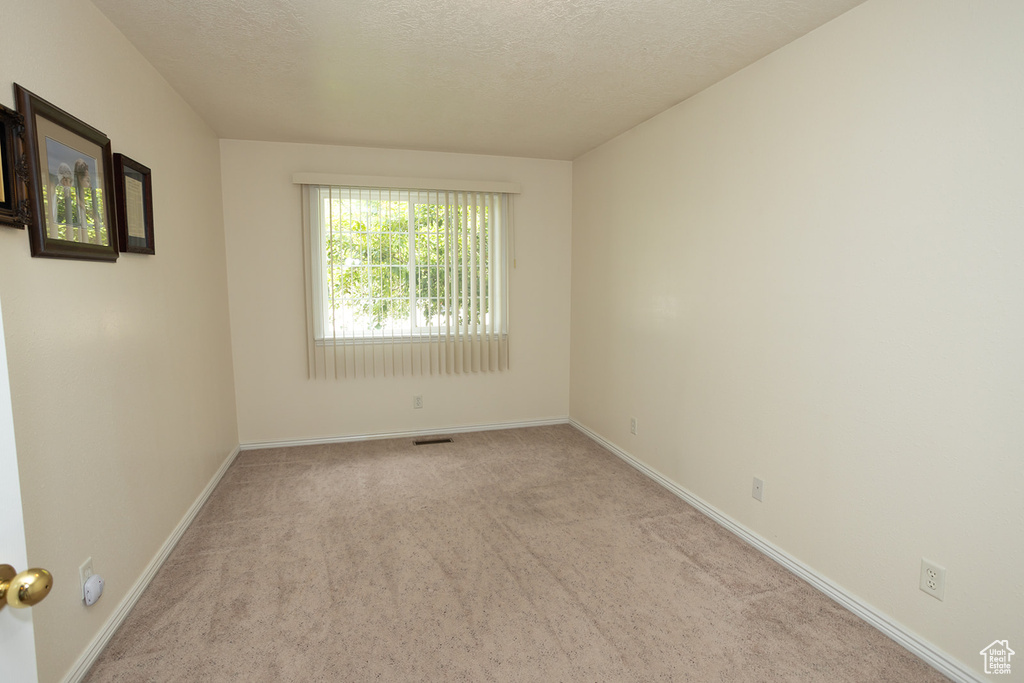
320	272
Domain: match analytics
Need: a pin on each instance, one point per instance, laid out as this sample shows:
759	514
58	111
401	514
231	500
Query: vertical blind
405	280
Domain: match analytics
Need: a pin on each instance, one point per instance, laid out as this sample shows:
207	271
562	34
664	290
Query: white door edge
17	640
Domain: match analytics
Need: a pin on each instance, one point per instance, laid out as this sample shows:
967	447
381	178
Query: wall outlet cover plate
933	579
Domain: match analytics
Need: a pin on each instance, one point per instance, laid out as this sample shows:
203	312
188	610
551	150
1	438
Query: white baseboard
88	657
933	656
254	445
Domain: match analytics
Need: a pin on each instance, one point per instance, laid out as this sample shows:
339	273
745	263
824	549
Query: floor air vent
426	442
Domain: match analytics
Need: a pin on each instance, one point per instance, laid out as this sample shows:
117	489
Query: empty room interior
754	287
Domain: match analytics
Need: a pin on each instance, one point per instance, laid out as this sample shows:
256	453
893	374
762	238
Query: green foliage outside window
371	272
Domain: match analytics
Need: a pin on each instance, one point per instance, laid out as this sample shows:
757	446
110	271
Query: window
411	280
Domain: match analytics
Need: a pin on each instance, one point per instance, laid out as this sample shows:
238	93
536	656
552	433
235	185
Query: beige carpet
519	555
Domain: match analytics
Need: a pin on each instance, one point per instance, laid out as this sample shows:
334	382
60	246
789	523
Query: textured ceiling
538	78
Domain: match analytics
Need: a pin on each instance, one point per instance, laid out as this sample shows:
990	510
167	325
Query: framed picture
14	210
70	183
133	190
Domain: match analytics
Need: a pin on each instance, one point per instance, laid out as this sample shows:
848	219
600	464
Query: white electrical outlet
417	402
84	572
933	579
632	426
758	491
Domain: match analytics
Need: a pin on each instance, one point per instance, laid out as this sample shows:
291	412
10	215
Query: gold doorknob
24	589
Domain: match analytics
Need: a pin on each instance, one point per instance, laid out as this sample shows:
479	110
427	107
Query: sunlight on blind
405	281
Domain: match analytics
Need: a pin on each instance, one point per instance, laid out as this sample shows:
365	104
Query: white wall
811	273
262	219
121	373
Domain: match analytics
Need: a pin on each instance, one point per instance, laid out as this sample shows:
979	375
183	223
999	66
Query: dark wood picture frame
14	211
133	190
67	222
